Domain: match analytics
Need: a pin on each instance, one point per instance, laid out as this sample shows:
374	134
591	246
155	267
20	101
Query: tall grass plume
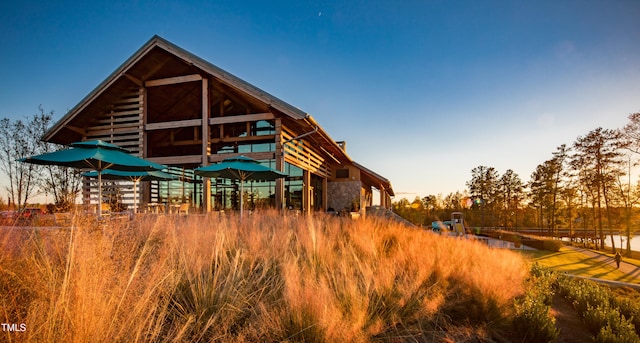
268	277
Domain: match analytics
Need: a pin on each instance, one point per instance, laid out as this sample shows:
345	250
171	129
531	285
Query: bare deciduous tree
20	139
63	183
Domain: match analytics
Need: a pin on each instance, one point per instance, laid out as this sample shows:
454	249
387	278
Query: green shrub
630	309
604	315
621	327
597	317
532	321
623	332
563	284
545	282
552	245
584	294
543	244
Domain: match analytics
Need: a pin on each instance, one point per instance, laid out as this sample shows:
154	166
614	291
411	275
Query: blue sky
422	91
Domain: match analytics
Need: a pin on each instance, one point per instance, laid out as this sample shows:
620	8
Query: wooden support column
280	202
206	182
365	199
383	197
325	196
306	192
145	187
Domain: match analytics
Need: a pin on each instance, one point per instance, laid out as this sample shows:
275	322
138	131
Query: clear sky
422	91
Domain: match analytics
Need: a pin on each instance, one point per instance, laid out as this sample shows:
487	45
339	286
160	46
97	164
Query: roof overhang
375	179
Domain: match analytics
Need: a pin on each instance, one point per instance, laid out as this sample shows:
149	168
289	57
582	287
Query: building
174	108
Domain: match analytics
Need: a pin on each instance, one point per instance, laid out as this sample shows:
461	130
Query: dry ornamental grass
268	278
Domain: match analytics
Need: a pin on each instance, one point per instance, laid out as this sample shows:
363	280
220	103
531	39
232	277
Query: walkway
627	268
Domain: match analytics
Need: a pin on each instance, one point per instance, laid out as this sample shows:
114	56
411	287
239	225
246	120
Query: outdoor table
173	208
155	207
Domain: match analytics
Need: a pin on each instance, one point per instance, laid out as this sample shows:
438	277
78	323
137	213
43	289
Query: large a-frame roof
158	59
132	71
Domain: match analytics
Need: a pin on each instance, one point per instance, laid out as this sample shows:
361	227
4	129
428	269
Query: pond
635	242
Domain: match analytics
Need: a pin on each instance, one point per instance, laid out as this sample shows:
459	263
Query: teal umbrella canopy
240	168
97	155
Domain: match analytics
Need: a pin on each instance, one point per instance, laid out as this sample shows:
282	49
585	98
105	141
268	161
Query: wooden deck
580	234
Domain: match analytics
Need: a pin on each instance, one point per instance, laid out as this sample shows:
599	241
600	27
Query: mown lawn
576	263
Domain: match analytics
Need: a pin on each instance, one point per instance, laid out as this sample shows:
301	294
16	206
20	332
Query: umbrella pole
99	193
135	196
241	195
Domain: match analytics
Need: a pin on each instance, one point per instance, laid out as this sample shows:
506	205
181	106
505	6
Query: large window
293	187
185	189
243	147
263	128
243	138
225	193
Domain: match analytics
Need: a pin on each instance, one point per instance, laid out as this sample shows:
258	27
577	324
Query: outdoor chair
183	209
106	209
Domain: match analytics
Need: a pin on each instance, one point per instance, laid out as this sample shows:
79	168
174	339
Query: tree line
586	185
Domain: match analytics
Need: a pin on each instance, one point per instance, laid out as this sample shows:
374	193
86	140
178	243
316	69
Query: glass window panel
292	170
225	193
263	128
183	190
235	130
224	148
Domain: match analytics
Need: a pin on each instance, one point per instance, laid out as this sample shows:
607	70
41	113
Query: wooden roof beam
173	143
241	118
134	79
178	160
81	131
173	124
173	80
229	94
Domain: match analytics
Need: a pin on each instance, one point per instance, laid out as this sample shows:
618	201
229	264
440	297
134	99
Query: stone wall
342	194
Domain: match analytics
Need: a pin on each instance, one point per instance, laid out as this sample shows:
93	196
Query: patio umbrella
240	168
97	155
134	176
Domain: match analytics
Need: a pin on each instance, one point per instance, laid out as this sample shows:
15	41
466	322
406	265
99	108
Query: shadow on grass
576	263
